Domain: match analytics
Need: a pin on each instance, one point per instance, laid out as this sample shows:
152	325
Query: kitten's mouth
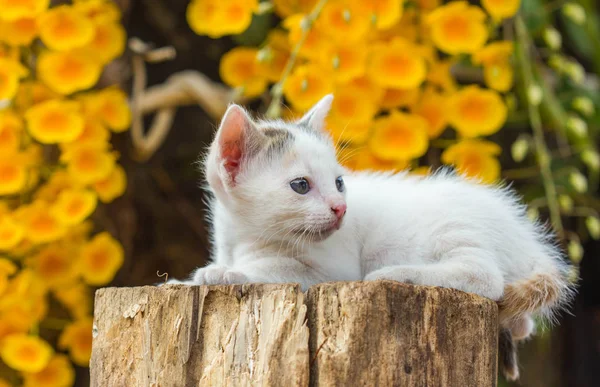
319	234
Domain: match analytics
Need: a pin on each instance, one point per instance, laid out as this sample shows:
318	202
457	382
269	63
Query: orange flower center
99	260
398	65
8	173
7	234
4	80
52	265
399	137
474	109
346	106
27	353
75	207
25	25
456	28
235	12
65	27
71	68
55	122
87	161
471	163
43	223
101	39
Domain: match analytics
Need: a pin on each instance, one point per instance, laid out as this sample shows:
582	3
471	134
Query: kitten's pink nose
339	210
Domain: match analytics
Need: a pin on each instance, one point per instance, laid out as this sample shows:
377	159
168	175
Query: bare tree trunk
356	333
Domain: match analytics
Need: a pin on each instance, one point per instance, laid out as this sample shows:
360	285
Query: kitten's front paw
218	275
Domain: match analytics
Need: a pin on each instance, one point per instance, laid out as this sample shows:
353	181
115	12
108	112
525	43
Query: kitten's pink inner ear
231	139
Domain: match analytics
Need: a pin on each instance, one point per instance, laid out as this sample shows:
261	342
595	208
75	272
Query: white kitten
279	215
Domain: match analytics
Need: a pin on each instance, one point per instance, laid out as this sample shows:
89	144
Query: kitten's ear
237	139
315	118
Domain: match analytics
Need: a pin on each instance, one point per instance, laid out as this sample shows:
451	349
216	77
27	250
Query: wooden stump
344	334
392	334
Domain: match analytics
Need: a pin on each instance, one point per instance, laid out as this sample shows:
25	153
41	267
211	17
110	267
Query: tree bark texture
380	333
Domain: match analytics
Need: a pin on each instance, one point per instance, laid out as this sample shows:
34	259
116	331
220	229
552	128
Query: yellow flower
25	353
476	112
93	133
100	259
501	9
397	65
76	297
14	173
370	90
18	32
475	158
55	121
440	75
58	182
77	338
290	7
74	206
365	160
225	17
434	108
89	163
399	137
17	9
344	22
385	13
7	268
11	233
274	56
495	58
63	28
58	373
113	186
315	42
98	10
108	42
428	5
23	304
110	106
345	61
10	73
351	132
408	27
240	68
493	53
499	77
349	106
40	225
56	264
31	93
458	27
79	234
395	98
306	85
68	72
11	127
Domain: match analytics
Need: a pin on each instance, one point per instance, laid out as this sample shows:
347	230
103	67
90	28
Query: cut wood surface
380	333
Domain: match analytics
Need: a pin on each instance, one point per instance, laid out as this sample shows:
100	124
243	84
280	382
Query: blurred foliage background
504	90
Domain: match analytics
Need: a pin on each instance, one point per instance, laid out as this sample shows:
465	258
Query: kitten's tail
543	293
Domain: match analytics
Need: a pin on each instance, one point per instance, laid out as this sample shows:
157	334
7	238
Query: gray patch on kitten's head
278	140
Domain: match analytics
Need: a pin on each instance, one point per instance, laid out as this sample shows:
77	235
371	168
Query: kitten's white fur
441	230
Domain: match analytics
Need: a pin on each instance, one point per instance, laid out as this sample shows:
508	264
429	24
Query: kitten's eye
339	183
300	185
